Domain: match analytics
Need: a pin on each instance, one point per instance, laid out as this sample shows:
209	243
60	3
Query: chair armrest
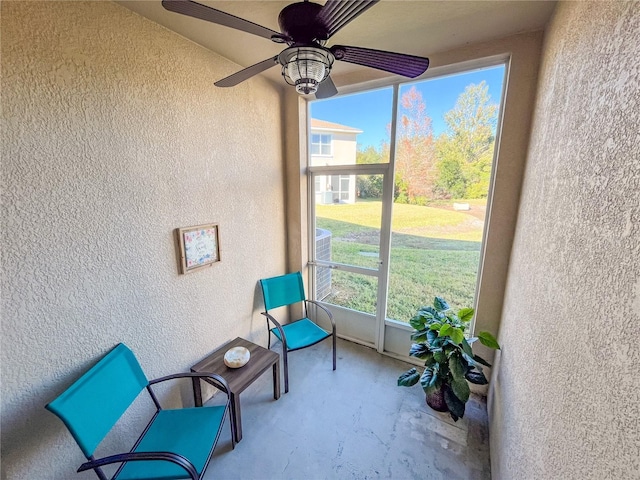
137	456
219	380
333	323
279	327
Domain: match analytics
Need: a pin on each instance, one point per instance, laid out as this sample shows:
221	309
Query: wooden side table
238	379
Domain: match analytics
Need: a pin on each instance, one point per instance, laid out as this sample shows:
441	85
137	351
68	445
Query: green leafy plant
449	361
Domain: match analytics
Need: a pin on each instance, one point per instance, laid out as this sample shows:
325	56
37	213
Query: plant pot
436	400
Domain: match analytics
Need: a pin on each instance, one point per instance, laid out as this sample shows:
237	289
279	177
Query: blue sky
371	111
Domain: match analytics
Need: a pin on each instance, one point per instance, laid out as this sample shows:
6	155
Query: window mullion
385	228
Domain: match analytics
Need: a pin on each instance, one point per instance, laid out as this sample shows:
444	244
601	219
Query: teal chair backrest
283	290
92	405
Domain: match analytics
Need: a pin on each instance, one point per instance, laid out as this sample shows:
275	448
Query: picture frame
198	246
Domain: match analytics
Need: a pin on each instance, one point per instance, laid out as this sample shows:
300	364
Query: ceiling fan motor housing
300	22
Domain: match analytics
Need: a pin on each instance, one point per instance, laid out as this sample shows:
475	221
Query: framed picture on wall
198	247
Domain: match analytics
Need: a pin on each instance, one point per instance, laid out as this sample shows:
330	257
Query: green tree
451	180
369	186
465	151
369	155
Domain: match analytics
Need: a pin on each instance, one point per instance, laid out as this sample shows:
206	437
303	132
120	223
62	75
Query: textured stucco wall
112	136
565	395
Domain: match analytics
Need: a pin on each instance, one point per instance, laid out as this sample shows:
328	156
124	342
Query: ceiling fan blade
399	63
326	89
337	13
197	10
242	75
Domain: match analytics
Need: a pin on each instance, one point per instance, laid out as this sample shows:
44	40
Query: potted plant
449	361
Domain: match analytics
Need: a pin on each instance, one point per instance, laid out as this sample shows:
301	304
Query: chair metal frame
285	348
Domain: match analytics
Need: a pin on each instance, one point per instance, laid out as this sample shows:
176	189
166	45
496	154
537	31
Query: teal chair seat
301	333
186	431
287	290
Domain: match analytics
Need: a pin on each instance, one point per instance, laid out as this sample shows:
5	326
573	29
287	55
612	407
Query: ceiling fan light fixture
306	67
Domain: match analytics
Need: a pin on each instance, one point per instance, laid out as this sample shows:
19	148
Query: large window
422	176
320	144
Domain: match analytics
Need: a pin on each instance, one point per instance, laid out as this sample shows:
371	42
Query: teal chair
176	444
288	290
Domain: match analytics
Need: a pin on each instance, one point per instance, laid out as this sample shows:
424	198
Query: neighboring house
333	144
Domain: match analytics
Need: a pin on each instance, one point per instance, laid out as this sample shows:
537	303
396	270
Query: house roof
332	127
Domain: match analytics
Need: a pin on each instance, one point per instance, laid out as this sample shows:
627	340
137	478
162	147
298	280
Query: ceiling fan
306	26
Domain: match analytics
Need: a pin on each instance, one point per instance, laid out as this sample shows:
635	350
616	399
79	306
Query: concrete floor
354	423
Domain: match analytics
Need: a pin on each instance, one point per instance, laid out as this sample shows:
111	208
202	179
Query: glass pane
360	124
443	168
350	221
350	290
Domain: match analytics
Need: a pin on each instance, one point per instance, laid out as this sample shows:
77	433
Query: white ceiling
408	26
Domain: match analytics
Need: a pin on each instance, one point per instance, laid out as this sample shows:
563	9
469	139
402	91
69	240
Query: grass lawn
434	251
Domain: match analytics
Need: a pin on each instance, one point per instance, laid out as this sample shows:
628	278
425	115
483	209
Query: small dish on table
237	357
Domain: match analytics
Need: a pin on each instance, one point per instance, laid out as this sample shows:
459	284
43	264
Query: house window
320	144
